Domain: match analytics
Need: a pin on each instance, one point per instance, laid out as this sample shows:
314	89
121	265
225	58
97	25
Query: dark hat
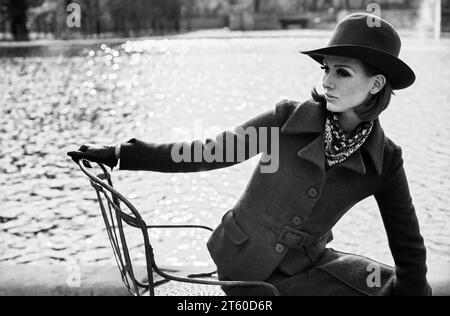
372	40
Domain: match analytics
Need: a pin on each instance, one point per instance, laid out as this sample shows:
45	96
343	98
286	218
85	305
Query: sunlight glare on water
146	89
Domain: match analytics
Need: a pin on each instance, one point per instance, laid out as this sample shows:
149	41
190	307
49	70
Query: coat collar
309	118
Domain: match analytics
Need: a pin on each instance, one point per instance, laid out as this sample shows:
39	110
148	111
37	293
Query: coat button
297	220
313	192
279	248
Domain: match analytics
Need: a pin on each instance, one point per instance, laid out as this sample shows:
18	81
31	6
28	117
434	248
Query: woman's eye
342	73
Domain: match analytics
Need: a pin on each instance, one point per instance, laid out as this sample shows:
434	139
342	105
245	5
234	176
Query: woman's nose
327	83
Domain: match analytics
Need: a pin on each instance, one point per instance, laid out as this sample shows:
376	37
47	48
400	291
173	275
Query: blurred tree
166	15
257	5
173	13
17	10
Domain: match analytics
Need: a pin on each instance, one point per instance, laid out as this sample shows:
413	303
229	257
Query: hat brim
399	74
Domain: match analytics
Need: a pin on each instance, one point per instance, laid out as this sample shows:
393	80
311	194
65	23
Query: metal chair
117	211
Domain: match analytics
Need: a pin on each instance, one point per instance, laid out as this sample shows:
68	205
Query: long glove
94	153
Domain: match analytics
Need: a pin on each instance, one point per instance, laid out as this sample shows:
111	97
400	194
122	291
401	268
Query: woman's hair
369	110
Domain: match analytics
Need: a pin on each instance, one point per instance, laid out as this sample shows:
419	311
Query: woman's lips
330	96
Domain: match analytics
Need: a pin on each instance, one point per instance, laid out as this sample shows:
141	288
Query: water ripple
50	105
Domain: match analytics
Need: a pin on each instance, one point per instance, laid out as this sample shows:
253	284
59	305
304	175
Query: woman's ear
378	83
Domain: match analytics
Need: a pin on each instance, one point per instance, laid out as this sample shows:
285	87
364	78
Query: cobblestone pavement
50	105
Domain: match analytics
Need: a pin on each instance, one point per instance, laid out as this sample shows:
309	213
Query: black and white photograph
224	152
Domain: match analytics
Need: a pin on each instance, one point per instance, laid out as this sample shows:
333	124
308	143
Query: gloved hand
94	153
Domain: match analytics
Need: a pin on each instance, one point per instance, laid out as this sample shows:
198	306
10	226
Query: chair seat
187	289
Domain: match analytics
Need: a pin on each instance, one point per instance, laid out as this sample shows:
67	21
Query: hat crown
368	30
372	40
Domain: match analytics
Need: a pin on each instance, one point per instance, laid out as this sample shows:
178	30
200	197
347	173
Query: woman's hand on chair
95	153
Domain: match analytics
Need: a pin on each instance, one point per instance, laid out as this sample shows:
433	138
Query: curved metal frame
136	221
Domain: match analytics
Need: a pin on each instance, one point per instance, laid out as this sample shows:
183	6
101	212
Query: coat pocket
226	240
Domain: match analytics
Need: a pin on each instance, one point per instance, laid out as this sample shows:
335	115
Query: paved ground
59	280
105	281
62	280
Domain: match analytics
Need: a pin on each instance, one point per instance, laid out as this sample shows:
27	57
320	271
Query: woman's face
346	84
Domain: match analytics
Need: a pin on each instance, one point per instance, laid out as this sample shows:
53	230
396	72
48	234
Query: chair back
118	212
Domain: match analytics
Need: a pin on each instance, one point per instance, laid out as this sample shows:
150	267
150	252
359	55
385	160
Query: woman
332	153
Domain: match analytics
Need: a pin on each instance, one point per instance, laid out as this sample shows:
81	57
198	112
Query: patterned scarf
338	147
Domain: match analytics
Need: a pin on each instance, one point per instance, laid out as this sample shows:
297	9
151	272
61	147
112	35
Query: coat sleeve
226	149
402	228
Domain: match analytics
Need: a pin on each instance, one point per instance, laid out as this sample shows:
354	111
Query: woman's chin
332	107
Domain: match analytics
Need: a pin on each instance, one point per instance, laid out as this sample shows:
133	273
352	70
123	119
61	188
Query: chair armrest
269	286
180	226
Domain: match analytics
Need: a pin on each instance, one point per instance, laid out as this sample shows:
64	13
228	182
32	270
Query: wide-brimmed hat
370	39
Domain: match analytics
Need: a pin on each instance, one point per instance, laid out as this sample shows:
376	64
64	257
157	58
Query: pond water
52	104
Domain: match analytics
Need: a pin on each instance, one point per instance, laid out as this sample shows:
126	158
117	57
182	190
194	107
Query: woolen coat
283	219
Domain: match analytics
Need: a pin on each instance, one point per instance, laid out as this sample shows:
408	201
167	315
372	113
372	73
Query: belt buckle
293	237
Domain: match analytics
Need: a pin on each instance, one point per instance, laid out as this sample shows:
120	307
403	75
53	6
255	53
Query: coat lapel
314	152
355	162
375	144
309	118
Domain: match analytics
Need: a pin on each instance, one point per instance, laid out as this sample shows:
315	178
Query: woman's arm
402	228
260	134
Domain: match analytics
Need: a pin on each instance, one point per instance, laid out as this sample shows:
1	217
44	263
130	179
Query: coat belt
290	236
